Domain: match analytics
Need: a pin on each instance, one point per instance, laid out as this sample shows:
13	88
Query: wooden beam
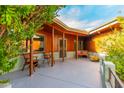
31	57
52	54
66	31
76	46
26	45
63	47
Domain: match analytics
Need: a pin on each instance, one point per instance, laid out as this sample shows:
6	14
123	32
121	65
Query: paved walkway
74	73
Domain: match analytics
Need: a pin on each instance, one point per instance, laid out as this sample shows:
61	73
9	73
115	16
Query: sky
88	17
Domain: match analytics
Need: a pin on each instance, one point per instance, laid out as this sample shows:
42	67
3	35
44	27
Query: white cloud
72	22
94	23
74	11
109	6
89	29
80	24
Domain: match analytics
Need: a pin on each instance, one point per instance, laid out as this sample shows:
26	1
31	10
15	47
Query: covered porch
59	41
72	73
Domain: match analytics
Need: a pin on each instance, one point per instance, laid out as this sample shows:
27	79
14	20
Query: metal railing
117	81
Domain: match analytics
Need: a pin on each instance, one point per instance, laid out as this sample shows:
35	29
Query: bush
114	46
20	23
4	81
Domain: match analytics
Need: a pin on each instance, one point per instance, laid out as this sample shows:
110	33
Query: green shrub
114	46
20	23
4	81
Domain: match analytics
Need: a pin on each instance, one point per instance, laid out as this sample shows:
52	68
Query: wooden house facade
99	34
63	42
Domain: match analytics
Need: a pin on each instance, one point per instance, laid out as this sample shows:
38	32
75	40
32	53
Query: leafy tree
18	23
114	46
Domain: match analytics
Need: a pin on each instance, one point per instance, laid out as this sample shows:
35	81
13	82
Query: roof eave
57	21
108	24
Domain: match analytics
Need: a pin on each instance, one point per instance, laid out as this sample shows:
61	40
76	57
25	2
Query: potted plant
94	58
5	84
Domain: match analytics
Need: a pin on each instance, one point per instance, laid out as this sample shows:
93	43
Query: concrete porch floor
72	73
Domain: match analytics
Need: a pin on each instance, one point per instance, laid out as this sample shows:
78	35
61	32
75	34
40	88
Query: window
80	45
38	43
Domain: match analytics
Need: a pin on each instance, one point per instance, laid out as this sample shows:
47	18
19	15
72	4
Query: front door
61	48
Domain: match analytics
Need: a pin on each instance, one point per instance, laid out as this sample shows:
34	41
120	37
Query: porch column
26	45
76	46
63	47
31	57
52	54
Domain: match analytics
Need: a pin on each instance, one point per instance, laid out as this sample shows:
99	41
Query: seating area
26	56
27	61
82	53
93	56
46	58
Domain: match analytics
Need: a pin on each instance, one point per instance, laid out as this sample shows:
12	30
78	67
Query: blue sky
89	17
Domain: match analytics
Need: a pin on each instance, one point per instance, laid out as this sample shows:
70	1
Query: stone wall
104	70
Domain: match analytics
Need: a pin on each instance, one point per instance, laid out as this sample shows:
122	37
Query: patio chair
27	61
46	56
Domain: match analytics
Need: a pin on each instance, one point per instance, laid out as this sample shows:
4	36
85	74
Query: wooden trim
59	45
60	23
76	46
67	32
63	37
66	43
44	39
26	45
52	54
31	57
106	25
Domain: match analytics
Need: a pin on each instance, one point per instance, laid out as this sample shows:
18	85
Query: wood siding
92	42
47	34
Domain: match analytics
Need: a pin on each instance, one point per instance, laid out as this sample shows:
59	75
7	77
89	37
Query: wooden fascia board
60	23
104	26
66	31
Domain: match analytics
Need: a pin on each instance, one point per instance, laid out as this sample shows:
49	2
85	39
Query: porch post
52	54
63	47
31	57
76	46
26	45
